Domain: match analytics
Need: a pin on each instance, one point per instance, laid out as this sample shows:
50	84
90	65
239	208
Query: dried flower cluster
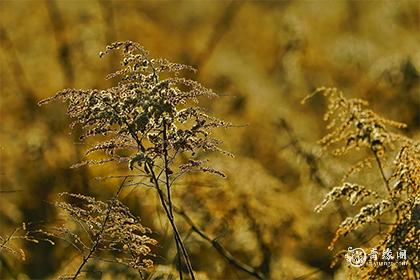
353	126
368	214
353	192
350	122
407	170
404	232
106	227
149	112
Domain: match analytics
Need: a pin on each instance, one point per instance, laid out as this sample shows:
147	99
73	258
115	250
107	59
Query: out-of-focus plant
353	127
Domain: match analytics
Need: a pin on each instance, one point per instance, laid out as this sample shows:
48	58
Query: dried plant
353	192
150	122
354	127
350	122
25	232
106	227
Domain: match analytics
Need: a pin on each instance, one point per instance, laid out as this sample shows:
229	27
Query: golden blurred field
262	58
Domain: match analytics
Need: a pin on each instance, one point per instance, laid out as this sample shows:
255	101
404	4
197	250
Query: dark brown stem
171	221
166	168
178	256
161	195
219	247
168	189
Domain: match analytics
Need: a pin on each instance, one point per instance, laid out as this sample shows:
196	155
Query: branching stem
99	234
172	222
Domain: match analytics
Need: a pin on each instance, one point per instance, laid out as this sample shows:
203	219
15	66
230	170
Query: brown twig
219	247
8	238
171	221
378	161
168	189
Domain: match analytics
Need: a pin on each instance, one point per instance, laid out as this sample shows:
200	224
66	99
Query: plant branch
172	222
166	168
99	234
168	189
8	238
219	247
378	161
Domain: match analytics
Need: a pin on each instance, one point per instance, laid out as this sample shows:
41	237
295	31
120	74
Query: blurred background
263	58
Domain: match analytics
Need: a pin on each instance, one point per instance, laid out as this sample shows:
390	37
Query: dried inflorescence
148	112
353	126
353	192
402	235
110	227
368	214
25	232
407	169
405	231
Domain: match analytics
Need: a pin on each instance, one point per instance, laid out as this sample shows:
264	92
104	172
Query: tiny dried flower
353	192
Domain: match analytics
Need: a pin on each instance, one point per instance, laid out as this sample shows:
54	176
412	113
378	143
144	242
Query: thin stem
166	168
8	239
172	222
381	170
168	189
220	249
414	266
99	234
178	255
